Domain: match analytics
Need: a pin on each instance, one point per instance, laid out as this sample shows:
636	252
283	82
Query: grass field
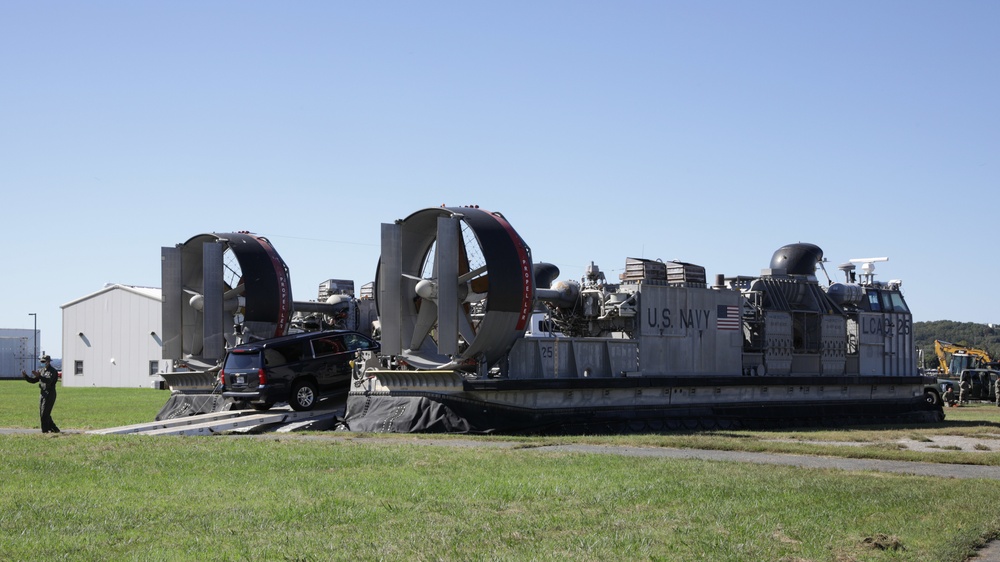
89	497
80	407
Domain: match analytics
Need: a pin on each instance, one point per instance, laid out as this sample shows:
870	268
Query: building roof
148	292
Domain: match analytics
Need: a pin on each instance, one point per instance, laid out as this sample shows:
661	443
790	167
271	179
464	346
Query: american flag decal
729	317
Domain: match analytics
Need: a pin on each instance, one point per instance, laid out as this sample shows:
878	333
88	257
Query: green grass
90	497
87	497
80	407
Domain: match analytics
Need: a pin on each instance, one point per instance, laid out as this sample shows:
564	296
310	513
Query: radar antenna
868	268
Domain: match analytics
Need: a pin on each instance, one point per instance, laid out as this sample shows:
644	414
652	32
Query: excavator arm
942	358
961	357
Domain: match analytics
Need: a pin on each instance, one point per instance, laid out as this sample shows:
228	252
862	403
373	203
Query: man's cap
46	358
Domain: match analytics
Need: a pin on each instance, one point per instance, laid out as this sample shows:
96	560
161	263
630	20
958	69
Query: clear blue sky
709	132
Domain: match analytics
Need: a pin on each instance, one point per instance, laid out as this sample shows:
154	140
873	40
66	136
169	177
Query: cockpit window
873	302
898	304
883	300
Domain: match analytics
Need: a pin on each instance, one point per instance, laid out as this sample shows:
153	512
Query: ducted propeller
214	283
450	291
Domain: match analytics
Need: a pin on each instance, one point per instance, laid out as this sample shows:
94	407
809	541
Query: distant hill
968	334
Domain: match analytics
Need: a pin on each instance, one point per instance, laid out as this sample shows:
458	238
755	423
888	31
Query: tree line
966	334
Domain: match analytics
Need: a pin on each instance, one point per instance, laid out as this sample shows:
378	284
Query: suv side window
328	346
281	354
355	342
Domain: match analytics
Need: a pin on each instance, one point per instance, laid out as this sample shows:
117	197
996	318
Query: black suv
298	369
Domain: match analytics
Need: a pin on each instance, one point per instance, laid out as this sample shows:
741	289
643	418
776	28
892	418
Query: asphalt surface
804	461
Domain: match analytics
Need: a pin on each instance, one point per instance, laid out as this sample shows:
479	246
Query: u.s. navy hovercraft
476	337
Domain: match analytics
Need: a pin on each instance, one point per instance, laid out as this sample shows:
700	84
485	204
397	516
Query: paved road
805	461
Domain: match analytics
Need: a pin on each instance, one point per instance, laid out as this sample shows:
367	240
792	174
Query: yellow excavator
969	364
962	358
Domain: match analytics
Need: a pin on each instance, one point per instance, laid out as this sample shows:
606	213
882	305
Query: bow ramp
235	421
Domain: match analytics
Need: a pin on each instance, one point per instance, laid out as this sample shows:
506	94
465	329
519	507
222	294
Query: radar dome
797	259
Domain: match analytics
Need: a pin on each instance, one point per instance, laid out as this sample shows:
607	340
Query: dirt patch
883	542
986	444
953	443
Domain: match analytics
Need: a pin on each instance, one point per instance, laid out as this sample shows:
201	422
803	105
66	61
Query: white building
112	338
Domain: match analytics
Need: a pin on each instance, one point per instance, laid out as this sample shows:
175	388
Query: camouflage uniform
949	397
46	378
963	389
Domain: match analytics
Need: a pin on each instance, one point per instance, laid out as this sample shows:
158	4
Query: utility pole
35	334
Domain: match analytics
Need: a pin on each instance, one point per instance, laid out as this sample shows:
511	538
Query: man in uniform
46	378
996	390
964	386
949	397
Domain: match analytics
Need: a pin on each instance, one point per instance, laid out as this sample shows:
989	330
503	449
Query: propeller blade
234	292
426	318
467	276
466	329
479	287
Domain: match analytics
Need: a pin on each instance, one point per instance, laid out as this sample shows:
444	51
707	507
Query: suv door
332	366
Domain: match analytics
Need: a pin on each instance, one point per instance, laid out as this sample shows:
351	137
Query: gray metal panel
215	343
389	287
173	299
680	333
901	351
873	347
623	356
834	348
533	358
448	235
525	359
778	338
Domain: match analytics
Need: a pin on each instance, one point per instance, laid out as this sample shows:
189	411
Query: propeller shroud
454	288
214	282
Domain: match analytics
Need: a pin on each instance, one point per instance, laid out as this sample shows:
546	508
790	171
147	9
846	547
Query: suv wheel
303	396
